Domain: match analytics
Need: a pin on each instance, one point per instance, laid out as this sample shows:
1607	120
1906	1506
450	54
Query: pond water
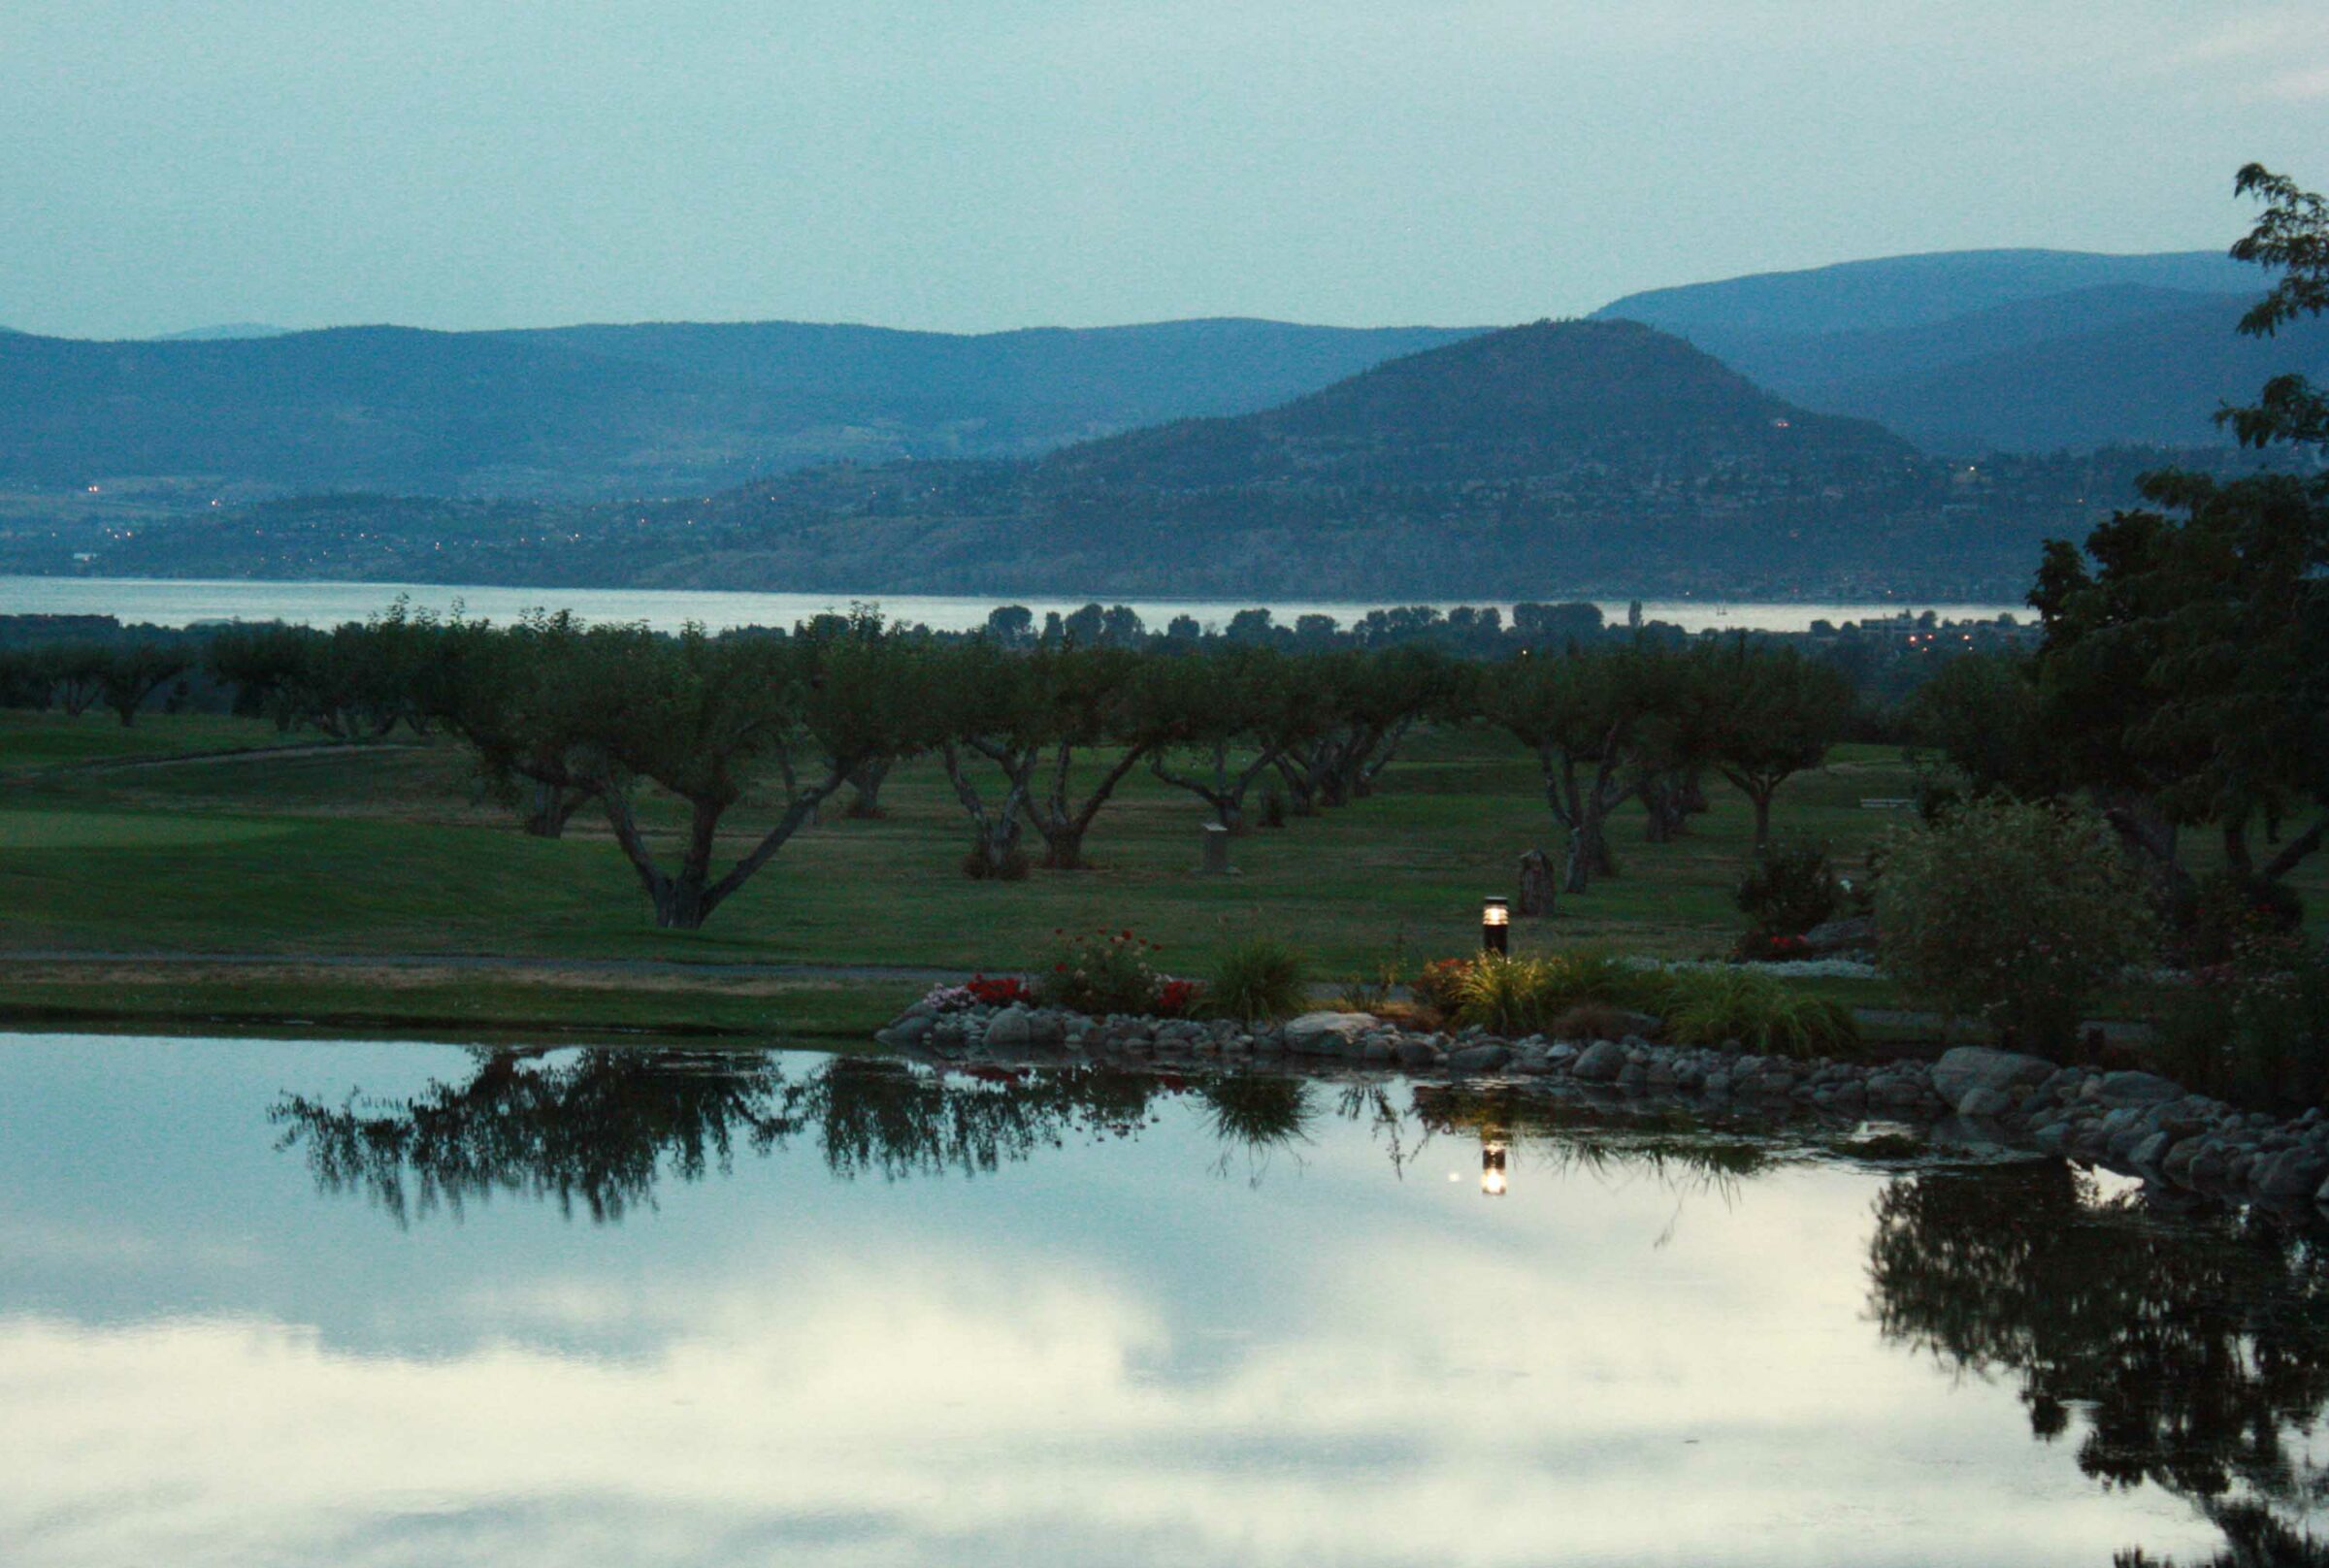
278	1302
159	601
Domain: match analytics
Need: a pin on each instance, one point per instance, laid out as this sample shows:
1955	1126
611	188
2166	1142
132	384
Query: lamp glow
1492	1170
1495	926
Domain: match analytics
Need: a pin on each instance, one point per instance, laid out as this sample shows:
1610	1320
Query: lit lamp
1495	926
1492	1170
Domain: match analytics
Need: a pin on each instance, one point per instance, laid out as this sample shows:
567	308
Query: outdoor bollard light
1492	1170
1495	926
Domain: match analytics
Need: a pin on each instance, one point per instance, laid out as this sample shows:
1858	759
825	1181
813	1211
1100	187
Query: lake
294	1302
172	603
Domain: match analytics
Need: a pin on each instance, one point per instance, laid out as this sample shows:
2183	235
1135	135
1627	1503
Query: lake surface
282	1302
170	603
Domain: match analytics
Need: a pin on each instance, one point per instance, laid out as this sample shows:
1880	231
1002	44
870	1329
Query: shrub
1440	985
1790	889
2229	912
1107	972
1259	978
2013	913
1526	996
1766	1016
2254	1030
1001	991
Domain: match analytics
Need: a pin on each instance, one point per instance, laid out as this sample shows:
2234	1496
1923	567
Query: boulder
2136	1088
1415	1053
1012	1028
1327	1034
1478	1059
1968	1068
2291	1173
1983	1101
1600	1063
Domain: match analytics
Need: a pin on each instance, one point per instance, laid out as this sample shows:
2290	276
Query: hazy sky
973	164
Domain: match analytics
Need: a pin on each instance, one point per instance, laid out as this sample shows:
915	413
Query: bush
2254	1030
2013	913
1440	985
1259	978
1790	889
1766	1016
1527	996
2229	912
1107	972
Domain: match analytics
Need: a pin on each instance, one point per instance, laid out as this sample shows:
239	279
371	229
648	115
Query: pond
278	1302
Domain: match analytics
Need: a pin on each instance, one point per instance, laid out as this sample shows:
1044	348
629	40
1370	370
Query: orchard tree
1772	714
130	675
1232	714
1583	713
711	719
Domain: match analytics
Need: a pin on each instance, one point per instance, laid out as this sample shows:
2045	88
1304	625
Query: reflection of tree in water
589	1126
2184	1355
598	1127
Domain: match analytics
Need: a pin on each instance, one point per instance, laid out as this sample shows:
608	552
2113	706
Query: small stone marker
1536	885
1216	861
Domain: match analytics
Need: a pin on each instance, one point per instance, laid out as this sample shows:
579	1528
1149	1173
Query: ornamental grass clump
1259	979
2016	914
1527	996
1766	1016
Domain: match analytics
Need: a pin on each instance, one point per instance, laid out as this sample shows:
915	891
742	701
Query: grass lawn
395	851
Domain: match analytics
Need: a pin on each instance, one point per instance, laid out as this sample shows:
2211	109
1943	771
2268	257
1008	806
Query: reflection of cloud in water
1421	1383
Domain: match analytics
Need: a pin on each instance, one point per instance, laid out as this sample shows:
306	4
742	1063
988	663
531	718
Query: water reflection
2194	1355
1228	1319
597	1128
594	1130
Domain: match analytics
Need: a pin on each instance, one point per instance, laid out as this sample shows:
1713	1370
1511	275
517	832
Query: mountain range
1971	352
1562	458
1882	425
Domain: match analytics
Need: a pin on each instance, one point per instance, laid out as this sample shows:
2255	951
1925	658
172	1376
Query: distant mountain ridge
1986	351
1890	292
639	411
1563	458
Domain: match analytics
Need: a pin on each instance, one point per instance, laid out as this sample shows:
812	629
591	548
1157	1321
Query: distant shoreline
177	601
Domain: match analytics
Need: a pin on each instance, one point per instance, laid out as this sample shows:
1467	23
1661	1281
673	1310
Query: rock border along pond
2135	1122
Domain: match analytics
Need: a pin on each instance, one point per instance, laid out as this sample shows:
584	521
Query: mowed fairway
396	851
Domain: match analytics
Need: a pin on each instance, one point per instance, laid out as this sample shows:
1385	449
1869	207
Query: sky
974	165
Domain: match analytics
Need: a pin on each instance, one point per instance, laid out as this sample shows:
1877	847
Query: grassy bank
356	852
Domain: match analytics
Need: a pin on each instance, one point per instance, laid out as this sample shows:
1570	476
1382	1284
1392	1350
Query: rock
1415	1053
2136	1088
1375	1050
1600	1063
1479	1059
1983	1101
2291	1173
1010	1028
2150	1152
1969	1068
1636	1029
1320	1034
1855	935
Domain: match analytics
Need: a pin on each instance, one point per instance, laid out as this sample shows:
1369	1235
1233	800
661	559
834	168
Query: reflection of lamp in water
1492	1169
1495	926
